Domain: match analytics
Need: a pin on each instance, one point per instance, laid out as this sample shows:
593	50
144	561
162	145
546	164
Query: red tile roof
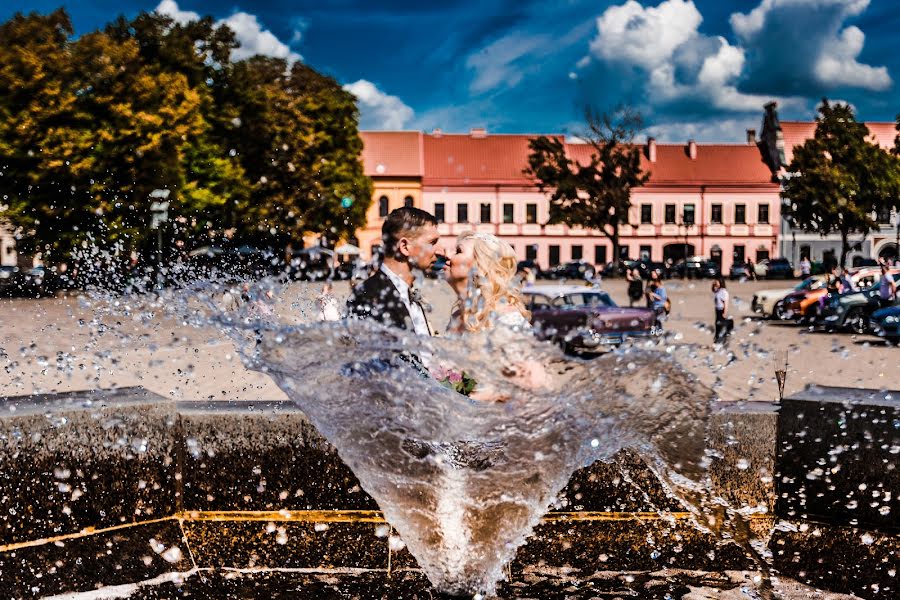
715	164
392	153
797	132
463	159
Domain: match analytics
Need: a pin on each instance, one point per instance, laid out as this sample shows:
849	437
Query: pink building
712	200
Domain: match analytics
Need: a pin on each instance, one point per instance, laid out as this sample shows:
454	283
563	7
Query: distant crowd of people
654	293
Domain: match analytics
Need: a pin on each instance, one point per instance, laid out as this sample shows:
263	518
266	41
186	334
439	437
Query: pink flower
454	376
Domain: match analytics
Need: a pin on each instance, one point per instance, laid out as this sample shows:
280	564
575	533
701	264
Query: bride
482	272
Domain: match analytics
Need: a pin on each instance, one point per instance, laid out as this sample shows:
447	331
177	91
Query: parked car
779	268
645	267
885	322
528	264
38	281
583	318
10	280
312	264
738	271
849	312
805	306
571	270
766	303
696	267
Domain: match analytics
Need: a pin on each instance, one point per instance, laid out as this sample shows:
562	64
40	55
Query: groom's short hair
403	222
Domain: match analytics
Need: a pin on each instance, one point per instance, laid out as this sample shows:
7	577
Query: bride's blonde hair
493	282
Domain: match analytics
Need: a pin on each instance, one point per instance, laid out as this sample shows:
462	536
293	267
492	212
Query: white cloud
379	110
712	130
170	9
248	31
819	41
253	39
499	63
680	63
645	37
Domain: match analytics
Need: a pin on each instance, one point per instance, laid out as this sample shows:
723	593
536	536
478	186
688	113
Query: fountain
617	474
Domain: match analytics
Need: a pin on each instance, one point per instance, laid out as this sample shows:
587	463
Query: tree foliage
838	179
596	194
255	150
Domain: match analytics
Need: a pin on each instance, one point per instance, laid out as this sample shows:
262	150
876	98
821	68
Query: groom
410	238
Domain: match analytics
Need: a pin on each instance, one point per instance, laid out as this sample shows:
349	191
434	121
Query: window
531	213
715	216
623	252
462	213
440	212
762	255
408	201
740	214
645	252
670	214
485	213
531	252
554	255
599	255
884	216
739	256
763	214
577	252
646	214
383	206
508	213
689	214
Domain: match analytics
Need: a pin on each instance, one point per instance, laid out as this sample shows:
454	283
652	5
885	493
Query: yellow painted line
87	531
336	516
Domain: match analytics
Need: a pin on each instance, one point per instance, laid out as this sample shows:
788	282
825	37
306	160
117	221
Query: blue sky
700	68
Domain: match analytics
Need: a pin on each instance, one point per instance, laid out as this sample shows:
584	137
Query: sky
695	69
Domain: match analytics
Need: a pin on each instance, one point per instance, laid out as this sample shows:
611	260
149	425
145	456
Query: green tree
596	195
839	180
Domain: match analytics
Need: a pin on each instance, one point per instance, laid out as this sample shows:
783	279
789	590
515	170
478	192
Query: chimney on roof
692	149
751	137
651	149
436	132
478	132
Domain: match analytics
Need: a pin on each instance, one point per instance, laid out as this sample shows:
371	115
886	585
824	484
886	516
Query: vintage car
852	311
885	322
765	301
582	318
805	306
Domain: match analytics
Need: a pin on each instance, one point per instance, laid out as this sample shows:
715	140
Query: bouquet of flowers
458	381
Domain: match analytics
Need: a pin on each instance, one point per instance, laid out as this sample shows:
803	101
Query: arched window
408	201
383	206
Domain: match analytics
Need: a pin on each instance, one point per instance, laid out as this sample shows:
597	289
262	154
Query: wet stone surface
262	456
289	545
103	559
839	457
71	461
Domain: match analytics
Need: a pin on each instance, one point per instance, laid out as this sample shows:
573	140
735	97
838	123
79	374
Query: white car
764	301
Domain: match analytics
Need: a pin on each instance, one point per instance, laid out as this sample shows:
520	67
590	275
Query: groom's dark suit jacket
378	299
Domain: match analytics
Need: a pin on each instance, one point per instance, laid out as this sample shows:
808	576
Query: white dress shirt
416	314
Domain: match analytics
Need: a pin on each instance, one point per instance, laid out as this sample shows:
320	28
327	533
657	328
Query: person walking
887	287
805	267
659	301
724	324
635	286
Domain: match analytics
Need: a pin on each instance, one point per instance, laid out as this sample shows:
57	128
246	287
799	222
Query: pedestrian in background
805	267
635	286
887	287
721	300
659	301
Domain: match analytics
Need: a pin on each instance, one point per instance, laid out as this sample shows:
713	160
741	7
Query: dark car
528	264
584	318
312	264
571	270
10	280
696	267
38	281
849	312
739	271
885	322
779	268
645	267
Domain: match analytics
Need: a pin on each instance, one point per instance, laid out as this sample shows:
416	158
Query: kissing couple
482	272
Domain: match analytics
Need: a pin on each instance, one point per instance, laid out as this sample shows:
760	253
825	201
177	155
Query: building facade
713	200
778	141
